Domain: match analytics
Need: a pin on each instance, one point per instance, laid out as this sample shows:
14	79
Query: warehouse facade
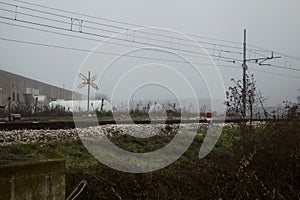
20	90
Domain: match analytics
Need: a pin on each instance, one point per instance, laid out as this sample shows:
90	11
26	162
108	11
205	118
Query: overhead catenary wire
216	57
277	74
98	40
76	13
277	66
136	25
263	71
221	45
139	57
119	39
255	61
65	34
278	53
119	44
116	21
121	28
98	52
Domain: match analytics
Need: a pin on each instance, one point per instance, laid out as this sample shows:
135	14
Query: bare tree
234	97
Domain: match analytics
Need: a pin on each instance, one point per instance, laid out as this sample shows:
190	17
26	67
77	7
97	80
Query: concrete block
33	180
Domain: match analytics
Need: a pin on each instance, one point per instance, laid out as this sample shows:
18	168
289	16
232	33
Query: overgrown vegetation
261	163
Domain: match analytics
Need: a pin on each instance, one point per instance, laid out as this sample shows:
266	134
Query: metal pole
64	95
89	84
244	77
9	105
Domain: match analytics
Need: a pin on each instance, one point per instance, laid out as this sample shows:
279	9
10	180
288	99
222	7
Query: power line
263	71
119	39
221	58
135	25
65	34
96	40
274	73
120	28
139	57
146	33
68	23
76	13
110	42
116	21
277	66
278	53
256	60
280	67
101	52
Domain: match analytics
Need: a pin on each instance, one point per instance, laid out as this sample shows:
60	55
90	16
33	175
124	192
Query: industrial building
26	92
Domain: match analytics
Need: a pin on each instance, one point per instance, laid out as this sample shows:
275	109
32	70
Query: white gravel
44	136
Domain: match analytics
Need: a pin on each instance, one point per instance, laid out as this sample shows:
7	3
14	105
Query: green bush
259	163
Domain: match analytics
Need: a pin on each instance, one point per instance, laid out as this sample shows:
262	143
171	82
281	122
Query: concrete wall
33	180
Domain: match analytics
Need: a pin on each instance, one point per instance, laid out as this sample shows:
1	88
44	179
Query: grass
262	163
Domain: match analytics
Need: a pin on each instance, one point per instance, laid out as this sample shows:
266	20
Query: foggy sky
270	24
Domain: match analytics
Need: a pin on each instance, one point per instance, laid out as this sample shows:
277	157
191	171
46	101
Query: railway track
71	124
36	125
